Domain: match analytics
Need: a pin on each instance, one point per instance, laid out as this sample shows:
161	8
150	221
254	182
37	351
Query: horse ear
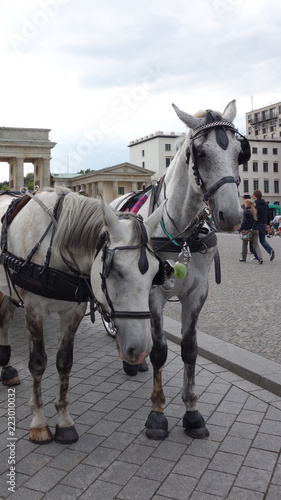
154	219
110	220
189	120
230	111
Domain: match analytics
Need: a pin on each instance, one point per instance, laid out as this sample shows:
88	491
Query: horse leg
39	430
193	421
69	320
9	374
157	424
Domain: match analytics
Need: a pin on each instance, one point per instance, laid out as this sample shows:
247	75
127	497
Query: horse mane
81	222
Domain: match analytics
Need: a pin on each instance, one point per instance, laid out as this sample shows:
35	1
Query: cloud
110	70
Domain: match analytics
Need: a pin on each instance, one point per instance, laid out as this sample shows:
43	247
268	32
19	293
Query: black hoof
131	370
194	425
66	435
156	426
9	373
143	367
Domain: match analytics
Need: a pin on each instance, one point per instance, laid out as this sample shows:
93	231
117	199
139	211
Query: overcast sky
100	74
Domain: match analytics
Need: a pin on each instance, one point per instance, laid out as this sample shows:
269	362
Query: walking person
263	215
250	222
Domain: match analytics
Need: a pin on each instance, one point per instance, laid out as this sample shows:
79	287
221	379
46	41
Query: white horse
204	171
60	249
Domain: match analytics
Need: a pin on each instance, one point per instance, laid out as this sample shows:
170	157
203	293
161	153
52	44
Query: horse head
214	152
128	268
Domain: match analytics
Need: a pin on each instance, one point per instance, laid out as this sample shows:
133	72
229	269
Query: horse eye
201	154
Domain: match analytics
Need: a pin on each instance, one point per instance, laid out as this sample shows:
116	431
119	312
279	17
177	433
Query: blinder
159	277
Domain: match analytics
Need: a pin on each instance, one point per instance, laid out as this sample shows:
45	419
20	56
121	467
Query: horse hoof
131	370
42	435
66	435
12	382
9	376
156	425
143	367
194	425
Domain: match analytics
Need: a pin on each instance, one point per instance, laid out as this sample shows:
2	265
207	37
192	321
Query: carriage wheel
109	328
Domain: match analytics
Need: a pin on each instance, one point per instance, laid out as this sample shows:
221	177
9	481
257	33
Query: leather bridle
107	259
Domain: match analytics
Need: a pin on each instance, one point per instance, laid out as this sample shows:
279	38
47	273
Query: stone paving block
26	493
200	495
139	489
223	419
136	453
273	414
104	428
204	448
81	477
119	415
132	426
101	457
253	479
273	492
217	432
226	462
156	468
177	487
253	403
233	407
216	483
239	494
169	449
119	473
243	430
191	466
90	417
101	490
267	442
271	427
261	459
63	491
236	445
45	479
33	464
119	440
67	460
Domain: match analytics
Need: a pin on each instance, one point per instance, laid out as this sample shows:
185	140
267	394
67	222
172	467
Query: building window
250	131
275	151
256	184
167	147
250	117
266	186
142	152
121	190
276	186
279	110
255	166
273	135
264	151
275	166
254	151
245	167
246	186
168	161
143	164
265	167
272	113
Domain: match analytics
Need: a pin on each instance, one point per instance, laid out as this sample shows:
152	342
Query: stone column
115	189
42	172
134	186
16	174
100	188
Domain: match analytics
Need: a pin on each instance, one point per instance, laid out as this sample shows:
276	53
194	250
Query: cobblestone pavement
245	308
113	458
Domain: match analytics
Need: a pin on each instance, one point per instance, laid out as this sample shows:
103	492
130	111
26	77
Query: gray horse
201	183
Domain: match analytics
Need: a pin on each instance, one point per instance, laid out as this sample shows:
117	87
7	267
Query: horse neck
184	201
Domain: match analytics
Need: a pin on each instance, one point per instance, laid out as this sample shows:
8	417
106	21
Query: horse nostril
131	354
221	216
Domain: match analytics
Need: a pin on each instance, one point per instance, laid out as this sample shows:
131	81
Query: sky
100	74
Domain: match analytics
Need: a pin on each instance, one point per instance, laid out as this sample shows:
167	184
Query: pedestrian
245	197
263	215
249	222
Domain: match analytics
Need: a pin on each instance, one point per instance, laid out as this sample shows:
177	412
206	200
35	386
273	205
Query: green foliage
87	171
4	186
28	182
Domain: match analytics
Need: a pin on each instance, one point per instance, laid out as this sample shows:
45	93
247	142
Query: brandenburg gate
26	145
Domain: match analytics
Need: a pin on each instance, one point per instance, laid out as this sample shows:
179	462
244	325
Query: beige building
263	170
26	145
155	151
109	182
